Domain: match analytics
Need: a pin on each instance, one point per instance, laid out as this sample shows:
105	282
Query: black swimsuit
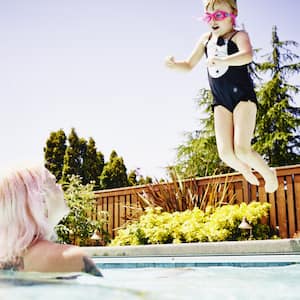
229	85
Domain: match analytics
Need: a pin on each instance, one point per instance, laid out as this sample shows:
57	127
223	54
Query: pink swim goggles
218	15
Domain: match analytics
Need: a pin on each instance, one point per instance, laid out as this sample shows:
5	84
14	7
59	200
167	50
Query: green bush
213	224
79	225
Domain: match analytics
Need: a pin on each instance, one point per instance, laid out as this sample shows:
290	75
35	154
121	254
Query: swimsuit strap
233	35
205	46
210	35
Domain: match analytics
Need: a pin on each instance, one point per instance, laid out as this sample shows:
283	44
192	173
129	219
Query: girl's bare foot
271	182
250	177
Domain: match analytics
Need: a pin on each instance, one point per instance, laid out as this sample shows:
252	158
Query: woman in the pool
228	53
31	204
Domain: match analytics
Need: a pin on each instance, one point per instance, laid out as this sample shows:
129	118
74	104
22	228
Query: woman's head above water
31	204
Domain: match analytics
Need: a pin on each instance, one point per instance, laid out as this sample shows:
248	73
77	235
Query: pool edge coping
253	247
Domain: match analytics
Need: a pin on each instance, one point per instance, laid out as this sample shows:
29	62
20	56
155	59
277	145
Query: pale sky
98	66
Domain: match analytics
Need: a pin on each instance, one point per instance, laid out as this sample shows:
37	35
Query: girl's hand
170	62
216	61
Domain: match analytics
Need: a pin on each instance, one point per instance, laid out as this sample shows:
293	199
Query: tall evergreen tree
54	153
100	160
142	180
277	134
74	156
92	164
114	173
132	178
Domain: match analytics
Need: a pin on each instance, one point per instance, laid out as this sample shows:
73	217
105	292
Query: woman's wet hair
22	210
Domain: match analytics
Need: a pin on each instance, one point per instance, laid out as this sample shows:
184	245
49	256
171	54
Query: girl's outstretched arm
192	60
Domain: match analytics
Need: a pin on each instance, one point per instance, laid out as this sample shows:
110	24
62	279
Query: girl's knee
226	154
243	152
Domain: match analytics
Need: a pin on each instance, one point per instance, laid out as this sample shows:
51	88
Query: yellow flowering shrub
213	224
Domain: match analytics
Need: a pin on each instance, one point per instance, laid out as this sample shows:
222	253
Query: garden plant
82	221
176	213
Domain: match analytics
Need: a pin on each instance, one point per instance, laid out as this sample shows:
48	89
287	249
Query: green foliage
54	153
132	178
92	164
179	194
114	173
142	180
277	134
213	224
77	156
73	156
78	226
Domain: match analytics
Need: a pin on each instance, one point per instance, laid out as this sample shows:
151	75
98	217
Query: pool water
226	283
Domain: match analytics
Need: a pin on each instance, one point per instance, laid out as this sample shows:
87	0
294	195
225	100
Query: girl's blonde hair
22	211
211	3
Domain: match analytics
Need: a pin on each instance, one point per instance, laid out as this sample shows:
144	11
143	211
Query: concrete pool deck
233	248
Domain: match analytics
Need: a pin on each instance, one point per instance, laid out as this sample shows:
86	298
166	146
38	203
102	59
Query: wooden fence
122	204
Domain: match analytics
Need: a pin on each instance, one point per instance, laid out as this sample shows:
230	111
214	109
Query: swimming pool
166	278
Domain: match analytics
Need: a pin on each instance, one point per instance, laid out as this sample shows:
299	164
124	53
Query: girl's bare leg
224	130
244	118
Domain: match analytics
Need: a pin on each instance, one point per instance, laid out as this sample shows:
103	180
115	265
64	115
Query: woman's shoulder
46	256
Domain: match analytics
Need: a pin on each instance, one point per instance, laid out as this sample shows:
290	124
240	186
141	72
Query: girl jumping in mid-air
228	53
